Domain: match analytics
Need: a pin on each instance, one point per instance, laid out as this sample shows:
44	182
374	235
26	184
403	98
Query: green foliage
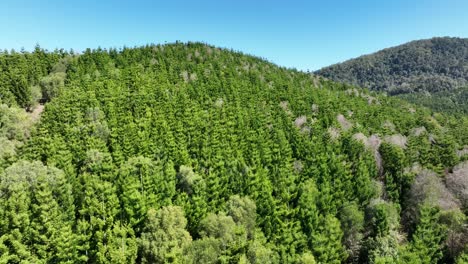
382	220
122	245
187	153
308	212
382	217
383	249
457	233
205	250
51	85
326	241
15	123
243	212
393	165
462	259
427	240
428	72
307	258
453	102
37	214
164	236
20	72
352	224
144	184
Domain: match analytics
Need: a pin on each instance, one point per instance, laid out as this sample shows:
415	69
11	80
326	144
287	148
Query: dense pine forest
188	153
431	72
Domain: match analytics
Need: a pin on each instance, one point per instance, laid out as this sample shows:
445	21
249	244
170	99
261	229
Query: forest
423	71
189	153
454	102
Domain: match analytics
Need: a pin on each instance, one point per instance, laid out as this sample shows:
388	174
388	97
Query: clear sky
306	35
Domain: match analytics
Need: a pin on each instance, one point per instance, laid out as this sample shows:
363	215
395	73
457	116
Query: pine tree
429	235
393	164
308	213
122	245
143	184
326	241
98	206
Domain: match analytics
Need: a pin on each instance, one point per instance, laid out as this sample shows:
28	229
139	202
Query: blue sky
306	35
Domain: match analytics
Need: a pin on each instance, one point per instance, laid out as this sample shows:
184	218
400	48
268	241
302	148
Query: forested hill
437	66
187	153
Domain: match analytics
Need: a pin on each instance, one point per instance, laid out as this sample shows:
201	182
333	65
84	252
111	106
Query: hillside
187	153
436	66
454	101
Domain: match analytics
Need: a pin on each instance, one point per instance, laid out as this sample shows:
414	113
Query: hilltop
188	153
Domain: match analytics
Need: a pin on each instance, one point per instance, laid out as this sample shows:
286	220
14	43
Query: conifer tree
428	237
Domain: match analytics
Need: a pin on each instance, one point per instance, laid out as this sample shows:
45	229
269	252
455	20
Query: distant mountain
437	65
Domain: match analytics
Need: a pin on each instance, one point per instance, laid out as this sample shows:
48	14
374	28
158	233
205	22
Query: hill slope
192	154
438	65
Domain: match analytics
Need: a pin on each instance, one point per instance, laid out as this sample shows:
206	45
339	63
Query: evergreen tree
427	239
326	241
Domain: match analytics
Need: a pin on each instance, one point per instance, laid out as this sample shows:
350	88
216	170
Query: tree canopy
188	153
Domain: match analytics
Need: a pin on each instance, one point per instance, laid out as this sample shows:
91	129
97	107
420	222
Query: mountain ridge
418	67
